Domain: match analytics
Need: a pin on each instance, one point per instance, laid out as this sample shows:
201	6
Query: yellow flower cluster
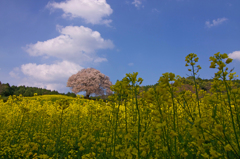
160	124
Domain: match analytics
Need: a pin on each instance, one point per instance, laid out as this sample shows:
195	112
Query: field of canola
160	124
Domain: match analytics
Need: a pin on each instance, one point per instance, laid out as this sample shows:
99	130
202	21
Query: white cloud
60	71
51	77
100	60
154	10
92	11
76	44
61	88
137	3
130	64
235	55
56	86
15	73
215	22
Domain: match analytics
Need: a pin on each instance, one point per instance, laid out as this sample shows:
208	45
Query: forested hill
188	84
7	90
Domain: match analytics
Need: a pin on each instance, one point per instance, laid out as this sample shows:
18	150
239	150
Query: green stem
196	92
174	124
229	103
139	128
197	100
125	104
116	127
235	106
159	109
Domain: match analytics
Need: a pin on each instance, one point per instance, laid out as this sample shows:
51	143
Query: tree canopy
91	81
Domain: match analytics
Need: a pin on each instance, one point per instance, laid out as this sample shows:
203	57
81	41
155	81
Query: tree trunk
87	96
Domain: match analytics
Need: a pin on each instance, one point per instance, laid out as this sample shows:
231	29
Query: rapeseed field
159	124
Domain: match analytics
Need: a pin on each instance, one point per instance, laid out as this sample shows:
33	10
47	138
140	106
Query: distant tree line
188	84
7	90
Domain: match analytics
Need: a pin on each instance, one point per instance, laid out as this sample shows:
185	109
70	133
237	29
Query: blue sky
44	42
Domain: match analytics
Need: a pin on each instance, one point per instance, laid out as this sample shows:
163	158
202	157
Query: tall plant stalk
217	58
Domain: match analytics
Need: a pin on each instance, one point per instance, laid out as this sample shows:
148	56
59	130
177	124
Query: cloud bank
76	44
92	11
52	77
49	73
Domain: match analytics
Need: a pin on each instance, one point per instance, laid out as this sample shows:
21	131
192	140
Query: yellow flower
43	156
192	63
165	148
223	56
205	155
173	134
135	152
185	154
30	153
214	153
144	154
219	127
122	154
200	141
229	60
196	59
164	123
228	147
160	124
204	125
194	133
81	148
213	65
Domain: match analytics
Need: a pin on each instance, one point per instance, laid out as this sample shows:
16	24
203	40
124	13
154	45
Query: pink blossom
91	81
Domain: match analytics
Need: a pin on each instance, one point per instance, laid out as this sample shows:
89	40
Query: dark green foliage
0	87
205	84
7	90
71	94
4	99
